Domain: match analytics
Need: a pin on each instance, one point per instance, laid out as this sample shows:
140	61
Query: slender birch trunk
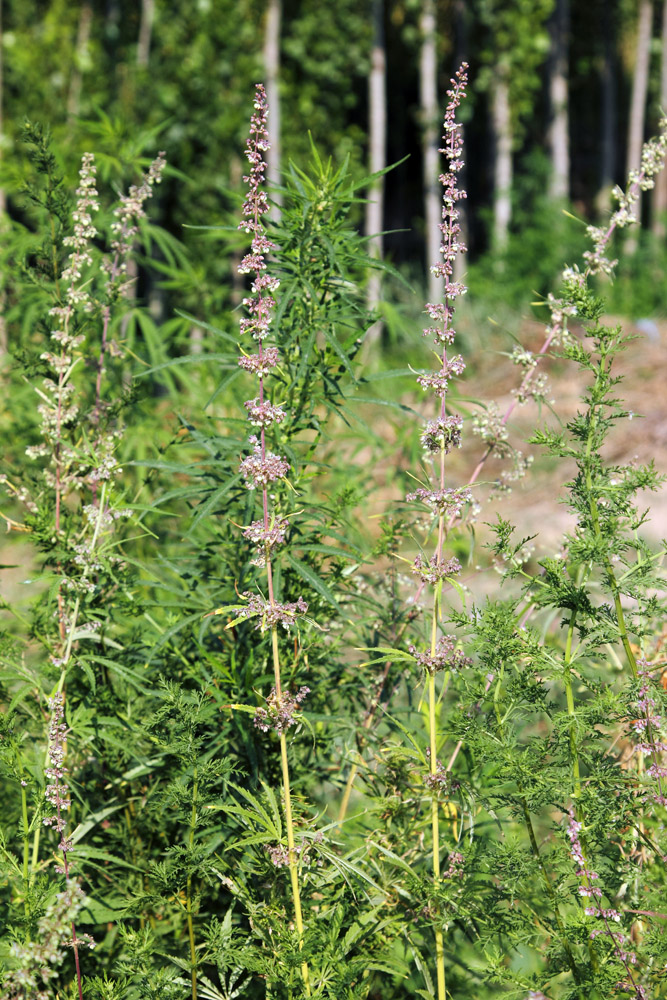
82	42
145	33
502	173
428	97
3	198
660	190
377	142
638	101
271	78
609	108
559	139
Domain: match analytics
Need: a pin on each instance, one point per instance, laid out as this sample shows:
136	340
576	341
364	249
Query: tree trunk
145	32
559	141
271	77
660	192
82	40
3	197
638	101
377	142
609	103
428	96
502	173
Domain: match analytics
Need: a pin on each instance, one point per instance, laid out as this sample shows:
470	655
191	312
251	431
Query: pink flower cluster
266	539
432	571
441	781
446	656
606	914
586	888
262	413
270	613
260	364
438	381
442	434
445	501
262	467
280	711
280	855
455	865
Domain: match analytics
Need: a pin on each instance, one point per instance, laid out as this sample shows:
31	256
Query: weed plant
245	753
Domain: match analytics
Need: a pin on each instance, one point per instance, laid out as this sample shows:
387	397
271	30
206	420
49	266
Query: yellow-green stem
433	767
26	838
188	889
342	812
435	826
26	845
289	822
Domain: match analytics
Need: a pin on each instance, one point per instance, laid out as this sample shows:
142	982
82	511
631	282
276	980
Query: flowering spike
439	437
262	468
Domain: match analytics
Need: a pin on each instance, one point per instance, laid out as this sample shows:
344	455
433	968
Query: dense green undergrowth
257	737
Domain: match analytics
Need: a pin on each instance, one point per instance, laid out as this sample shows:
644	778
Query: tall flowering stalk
262	469
78	463
439	437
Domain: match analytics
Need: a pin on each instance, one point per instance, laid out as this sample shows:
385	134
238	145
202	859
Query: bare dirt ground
537	504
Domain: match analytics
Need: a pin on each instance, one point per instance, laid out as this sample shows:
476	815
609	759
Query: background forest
562	97
353	689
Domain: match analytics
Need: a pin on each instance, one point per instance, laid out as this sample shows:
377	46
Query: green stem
435	815
435	826
345	801
26	837
26	847
188	890
289	821
567	679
